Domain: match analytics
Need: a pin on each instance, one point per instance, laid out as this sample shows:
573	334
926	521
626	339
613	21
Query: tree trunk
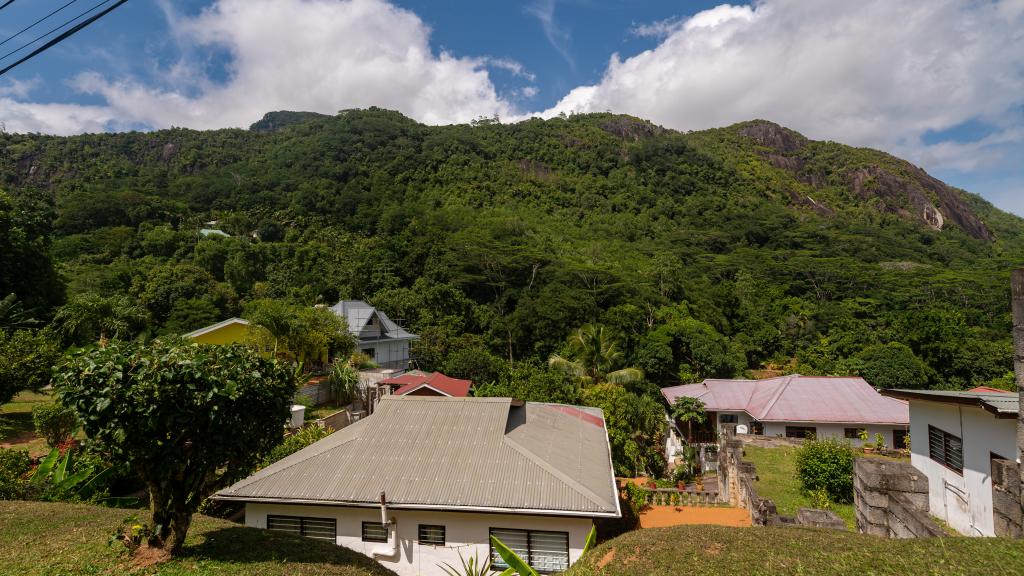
171	518
1017	300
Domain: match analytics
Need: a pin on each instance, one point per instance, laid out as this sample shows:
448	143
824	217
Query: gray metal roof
483	454
1001	404
358	313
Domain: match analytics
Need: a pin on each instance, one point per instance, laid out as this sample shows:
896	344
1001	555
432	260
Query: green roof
1001	404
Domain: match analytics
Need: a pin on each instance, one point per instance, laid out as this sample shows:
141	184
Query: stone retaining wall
737	485
890	499
1006	495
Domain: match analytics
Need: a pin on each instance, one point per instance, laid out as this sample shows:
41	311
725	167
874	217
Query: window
316	528
946	449
899	439
433	535
756	428
853	433
370	352
545	551
801	432
374	532
727	419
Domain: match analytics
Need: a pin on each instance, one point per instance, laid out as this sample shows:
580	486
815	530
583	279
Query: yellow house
230	331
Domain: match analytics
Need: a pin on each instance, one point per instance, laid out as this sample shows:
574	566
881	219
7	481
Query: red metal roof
797	398
987	389
444	384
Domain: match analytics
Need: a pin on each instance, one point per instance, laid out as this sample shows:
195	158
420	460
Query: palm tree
13	315
689	410
90	317
594	356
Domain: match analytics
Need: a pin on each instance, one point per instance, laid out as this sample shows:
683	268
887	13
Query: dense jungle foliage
713	253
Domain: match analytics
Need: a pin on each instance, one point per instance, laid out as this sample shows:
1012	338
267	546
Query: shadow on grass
16	426
249	545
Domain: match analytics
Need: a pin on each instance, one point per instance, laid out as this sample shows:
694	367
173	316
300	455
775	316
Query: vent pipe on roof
388	523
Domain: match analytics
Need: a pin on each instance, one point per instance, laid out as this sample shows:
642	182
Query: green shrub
14	465
296	442
826	465
55	422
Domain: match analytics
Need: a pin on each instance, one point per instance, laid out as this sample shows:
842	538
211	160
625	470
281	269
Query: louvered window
316	528
433	535
946	449
544	551
374	532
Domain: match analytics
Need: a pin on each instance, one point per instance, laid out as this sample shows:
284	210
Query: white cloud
656	29
318	55
60	119
558	37
878	73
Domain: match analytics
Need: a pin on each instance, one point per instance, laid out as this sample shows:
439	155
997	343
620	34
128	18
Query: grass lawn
804	551
776	473
57	539
16	428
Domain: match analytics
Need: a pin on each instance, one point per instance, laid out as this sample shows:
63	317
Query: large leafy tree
636	427
689	410
892	365
305	333
26	361
26	268
595	358
187	418
93	318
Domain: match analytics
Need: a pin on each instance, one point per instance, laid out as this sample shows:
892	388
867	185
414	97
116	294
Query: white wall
964	501
833	430
387	351
464	532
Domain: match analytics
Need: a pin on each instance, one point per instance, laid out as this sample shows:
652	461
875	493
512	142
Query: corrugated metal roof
358	313
1002	404
797	398
453	453
444	384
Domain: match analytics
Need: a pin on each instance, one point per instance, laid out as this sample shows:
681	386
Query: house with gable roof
376	335
796	406
425	479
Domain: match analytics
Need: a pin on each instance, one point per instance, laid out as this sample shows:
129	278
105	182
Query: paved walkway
662	516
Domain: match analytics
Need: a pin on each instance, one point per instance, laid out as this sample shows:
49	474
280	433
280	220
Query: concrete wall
1008	518
964	501
464	532
835	430
890	499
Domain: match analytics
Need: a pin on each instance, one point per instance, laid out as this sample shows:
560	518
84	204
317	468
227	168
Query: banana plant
591	540
59	472
470	567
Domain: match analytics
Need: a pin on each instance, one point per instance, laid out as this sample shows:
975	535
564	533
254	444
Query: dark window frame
421	540
377	540
853	433
897	436
529	548
813	430
729	418
944	460
302	524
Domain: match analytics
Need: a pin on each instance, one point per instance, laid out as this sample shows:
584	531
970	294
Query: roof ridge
570	482
775	398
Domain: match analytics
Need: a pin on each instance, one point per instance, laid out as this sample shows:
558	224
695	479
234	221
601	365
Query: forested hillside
708	253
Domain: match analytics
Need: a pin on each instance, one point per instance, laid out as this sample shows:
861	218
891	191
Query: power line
6	4
33	25
68	33
51	31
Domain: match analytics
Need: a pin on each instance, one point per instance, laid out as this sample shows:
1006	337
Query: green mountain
708	253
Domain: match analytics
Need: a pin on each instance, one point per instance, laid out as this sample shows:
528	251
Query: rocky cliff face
892	185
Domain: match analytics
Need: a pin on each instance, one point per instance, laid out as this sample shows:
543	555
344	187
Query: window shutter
549	551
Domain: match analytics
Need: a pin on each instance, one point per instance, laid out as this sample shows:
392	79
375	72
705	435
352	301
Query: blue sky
940	83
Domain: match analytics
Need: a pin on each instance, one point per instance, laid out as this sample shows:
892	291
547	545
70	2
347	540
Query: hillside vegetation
803	551
707	253
39	538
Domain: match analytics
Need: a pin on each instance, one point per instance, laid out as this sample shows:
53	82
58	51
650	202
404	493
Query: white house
796	406
954	438
425	478
376	335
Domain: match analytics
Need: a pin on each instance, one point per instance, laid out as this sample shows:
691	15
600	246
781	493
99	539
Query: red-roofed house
795	406
416	383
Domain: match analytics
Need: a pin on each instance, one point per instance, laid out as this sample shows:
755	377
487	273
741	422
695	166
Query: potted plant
863	435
